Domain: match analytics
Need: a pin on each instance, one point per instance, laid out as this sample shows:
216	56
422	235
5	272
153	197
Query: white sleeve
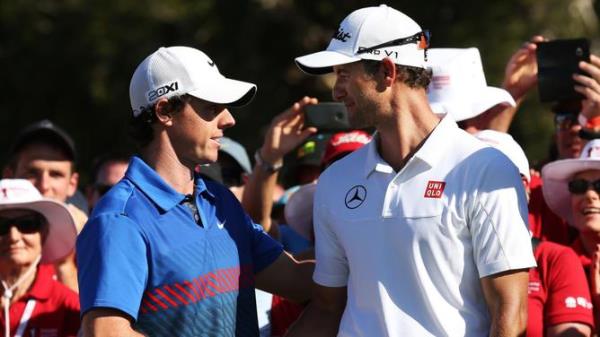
498	219
332	265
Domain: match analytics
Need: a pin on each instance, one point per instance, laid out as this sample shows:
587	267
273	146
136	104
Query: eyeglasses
580	186
26	224
565	121
422	38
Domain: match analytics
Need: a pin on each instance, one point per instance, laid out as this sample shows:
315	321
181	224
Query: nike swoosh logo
221	224
211	63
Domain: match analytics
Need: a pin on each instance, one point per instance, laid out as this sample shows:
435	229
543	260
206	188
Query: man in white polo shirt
423	231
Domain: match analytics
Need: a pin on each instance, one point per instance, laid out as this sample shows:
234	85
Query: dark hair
140	126
40	140
99	161
414	77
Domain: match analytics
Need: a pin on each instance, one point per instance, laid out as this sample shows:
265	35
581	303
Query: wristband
268	167
592	123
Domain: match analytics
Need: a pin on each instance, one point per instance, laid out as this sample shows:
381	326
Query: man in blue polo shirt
166	253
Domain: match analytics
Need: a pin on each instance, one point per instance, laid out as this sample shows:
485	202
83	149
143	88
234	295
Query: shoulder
116	200
553	252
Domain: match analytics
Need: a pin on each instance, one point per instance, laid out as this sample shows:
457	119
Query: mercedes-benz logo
356	196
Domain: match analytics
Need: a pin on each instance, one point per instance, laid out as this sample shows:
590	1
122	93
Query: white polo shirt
411	246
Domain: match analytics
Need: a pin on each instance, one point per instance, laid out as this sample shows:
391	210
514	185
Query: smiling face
196	131
20	247
586	206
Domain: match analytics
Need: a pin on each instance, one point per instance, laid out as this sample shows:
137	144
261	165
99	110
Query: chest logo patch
434	189
356	196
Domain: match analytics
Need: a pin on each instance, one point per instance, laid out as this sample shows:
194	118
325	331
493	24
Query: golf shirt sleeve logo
434	189
356	196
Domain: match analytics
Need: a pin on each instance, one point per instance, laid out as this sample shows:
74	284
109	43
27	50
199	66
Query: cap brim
226	91
555	178
482	101
322	62
62	233
489	97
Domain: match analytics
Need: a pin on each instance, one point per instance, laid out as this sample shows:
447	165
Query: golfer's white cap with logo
459	87
364	29
178	70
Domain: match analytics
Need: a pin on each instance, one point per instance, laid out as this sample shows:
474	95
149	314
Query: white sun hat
364	29
21	194
507	145
298	210
557	174
458	86
183	70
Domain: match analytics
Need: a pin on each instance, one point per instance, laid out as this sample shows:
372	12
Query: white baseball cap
507	145
299	210
394	35
458	86
556	176
21	194
183	70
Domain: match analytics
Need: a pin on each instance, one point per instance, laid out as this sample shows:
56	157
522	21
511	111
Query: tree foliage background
71	60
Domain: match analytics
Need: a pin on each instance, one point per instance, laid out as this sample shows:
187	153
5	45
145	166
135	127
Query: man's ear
163	114
390	72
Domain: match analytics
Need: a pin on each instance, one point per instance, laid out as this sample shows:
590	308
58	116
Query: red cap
344	143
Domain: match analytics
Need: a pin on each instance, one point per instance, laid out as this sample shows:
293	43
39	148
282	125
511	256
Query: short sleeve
331	269
112	264
498	218
568	292
265	249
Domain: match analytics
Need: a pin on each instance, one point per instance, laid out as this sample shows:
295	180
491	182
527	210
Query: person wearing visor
166	253
572	189
426	235
34	230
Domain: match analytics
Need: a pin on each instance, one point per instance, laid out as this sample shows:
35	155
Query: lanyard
25	317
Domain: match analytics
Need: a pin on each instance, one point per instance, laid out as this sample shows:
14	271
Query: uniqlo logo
434	189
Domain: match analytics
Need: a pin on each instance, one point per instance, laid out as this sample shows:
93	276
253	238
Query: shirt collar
430	152
155	188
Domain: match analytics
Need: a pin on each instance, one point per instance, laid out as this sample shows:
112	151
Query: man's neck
162	158
404	132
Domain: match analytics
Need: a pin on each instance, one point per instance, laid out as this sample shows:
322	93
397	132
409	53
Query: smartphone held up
557	61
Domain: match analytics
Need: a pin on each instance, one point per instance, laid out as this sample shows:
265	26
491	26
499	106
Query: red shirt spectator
56	310
558	290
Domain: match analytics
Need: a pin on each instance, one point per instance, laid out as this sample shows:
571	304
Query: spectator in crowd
166	252
34	229
235	165
558	283
298	216
107	170
433	265
572	189
459	89
45	155
305	164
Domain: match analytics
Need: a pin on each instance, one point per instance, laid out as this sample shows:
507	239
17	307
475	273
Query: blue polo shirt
142	253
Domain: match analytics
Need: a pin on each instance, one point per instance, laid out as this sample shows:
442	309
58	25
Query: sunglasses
421	38
565	121
26	224
580	186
